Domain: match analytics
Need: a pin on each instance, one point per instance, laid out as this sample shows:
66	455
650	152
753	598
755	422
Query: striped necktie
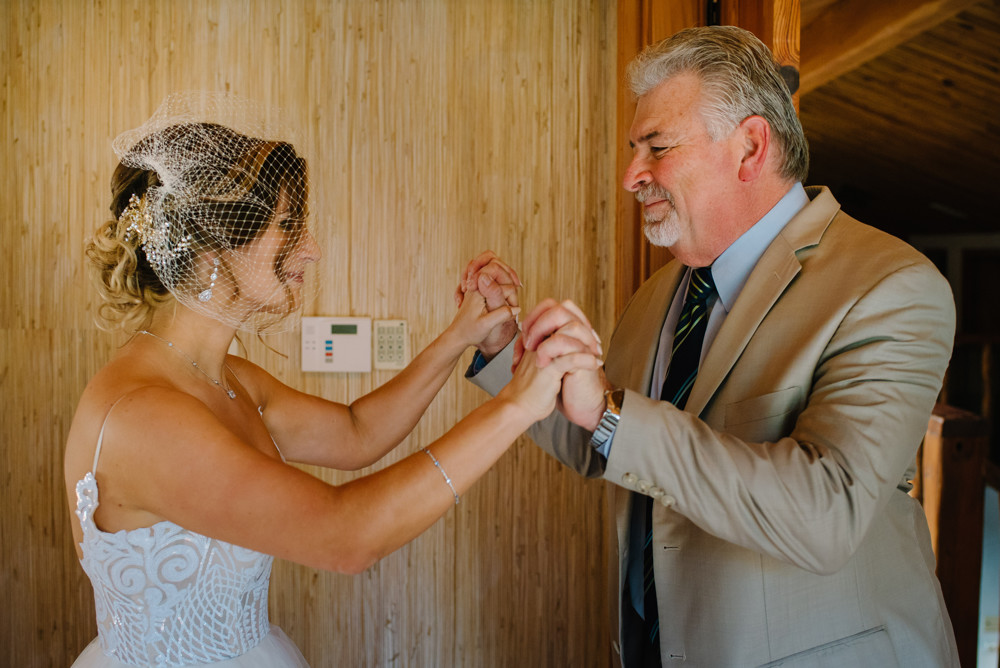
684	360
688	337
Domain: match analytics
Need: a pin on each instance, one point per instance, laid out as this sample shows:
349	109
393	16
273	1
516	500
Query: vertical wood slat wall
434	130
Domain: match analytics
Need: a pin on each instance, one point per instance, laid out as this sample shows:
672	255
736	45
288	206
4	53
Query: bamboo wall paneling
434	130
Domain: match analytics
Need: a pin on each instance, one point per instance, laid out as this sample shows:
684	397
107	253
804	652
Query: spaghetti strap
260	410
100	436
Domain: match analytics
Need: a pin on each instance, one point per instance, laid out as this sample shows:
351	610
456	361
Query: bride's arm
197	473
313	430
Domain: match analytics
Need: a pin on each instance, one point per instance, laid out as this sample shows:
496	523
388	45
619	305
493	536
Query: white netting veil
223	222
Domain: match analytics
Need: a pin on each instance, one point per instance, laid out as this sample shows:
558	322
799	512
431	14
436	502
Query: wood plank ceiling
909	140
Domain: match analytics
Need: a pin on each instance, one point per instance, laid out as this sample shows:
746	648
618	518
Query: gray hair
739	78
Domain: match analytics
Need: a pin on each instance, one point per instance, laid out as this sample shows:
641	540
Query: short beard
663	231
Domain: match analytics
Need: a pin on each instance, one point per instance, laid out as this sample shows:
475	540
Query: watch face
613	400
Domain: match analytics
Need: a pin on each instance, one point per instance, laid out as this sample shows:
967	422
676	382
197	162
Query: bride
177	461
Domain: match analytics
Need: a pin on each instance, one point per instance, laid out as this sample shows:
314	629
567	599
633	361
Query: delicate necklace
170	344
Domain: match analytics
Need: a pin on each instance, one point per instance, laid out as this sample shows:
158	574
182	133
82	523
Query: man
807	354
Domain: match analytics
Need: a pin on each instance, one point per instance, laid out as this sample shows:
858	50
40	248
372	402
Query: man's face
686	182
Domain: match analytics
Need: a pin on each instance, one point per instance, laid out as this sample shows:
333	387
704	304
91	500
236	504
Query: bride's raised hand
535	388
474	321
498	283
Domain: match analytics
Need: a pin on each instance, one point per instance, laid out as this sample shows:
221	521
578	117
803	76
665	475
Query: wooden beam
852	32
777	24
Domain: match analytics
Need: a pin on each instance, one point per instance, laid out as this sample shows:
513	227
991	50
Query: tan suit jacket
783	534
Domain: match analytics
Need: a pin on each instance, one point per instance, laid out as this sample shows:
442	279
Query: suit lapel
769	279
637	336
774	271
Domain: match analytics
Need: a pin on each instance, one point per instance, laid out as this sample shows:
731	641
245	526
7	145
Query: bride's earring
206	294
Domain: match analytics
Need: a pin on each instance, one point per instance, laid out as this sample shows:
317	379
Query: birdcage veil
224	221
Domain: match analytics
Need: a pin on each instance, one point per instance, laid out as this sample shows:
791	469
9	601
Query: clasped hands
551	331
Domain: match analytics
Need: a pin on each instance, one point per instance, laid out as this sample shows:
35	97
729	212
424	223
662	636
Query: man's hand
497	282
551	330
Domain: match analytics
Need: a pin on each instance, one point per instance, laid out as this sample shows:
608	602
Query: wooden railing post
952	487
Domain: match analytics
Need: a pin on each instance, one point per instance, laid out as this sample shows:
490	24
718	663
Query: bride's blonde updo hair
187	198
128	286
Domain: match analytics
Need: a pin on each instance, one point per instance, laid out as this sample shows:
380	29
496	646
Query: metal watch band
609	421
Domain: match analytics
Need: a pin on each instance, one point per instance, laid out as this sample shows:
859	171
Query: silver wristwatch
601	438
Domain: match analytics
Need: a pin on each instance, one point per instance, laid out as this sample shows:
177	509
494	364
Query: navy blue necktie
684	360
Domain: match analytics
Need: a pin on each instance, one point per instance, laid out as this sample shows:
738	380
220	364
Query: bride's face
274	263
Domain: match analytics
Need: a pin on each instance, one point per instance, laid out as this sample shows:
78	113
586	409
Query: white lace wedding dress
166	596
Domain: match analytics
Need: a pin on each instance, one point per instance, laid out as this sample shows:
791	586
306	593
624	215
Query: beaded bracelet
446	478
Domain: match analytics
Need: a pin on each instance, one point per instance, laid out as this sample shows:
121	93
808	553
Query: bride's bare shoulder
126	378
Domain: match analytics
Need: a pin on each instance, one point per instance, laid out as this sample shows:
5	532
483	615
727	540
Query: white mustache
653	190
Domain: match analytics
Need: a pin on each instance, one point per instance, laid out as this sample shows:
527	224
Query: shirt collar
731	270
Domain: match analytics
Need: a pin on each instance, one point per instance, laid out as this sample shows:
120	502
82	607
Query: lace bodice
166	596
